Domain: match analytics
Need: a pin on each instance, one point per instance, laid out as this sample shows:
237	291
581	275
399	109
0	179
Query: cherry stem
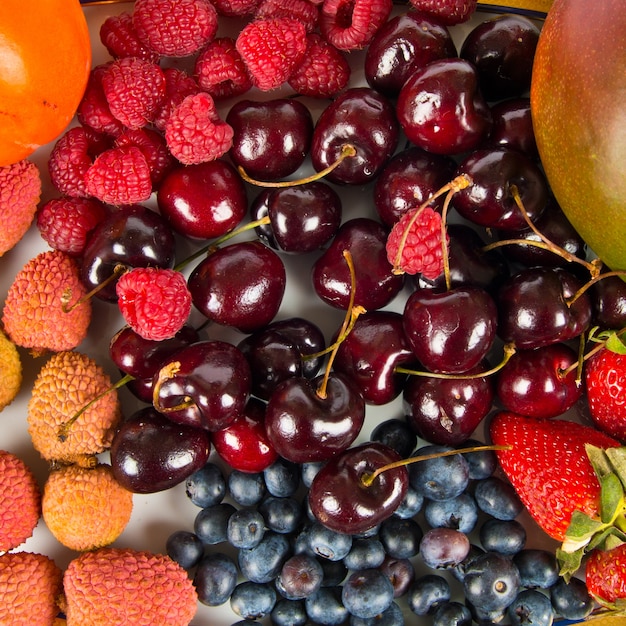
509	351
118	270
592	282
65	427
347	151
369	477
165	373
585	357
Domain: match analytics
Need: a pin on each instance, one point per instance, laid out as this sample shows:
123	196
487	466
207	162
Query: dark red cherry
240	285
203	201
451	331
376	285
534	383
271	138
408	180
206	384
150	453
402	45
364	119
447	411
341	500
441	109
131	236
369	355
609	302
304	425
513	126
243	444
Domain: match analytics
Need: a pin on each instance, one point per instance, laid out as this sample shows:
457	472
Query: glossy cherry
513	126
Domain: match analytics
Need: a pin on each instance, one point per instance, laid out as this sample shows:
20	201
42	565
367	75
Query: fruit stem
509	351
118	270
592	282
347	151
369	477
165	373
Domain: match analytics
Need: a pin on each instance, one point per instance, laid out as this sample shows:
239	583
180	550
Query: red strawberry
605	573
605	377
549	467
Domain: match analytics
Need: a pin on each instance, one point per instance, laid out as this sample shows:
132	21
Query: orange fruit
45	58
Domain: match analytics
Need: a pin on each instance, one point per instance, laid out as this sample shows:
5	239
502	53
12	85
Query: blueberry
427	592
282	478
482	463
440	478
391	616
206	486
497	498
288	613
444	548
215	579
400	572
367	593
411	505
300	576
185	548
325	607
504	536
458	571
308	471
211	523
491	582
451	614
531	607
245	529
328	543
400	537
282	515
571	600
335	572
252	600
397	434
460	513
246	488
538	569
365	553
262	563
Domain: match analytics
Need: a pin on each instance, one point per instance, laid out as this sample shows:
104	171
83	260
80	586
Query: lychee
85	508
30	585
20	190
114	586
43	310
20	501
73	410
10	371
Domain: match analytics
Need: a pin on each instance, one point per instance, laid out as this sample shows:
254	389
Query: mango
578	106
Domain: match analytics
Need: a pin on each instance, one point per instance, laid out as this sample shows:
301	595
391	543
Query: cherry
450	331
362	119
206	384
609	302
240	285
203	201
541	382
402	45
441	109
513	126
343	501
150	453
132	236
270	138
376	285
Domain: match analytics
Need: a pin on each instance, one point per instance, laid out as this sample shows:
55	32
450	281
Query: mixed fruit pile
355	158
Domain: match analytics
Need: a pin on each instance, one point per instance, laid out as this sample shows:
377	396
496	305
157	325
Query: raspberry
120	39
301	10
414	243
152	145
175	28
449	12
134	90
66	223
271	49
236	8
93	110
351	24
195	133
220	70
120	176
324	71
178	85
154	302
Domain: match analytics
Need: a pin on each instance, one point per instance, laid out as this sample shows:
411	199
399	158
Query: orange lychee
10	371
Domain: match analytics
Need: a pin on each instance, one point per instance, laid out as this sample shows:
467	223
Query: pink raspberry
120	176
175	28
449	12
66	223
120	39
323	72
351	24
301	10
271	49
236	8
178	85
71	157
154	302
195	133
414	245
134	90
152	145
93	109
220	70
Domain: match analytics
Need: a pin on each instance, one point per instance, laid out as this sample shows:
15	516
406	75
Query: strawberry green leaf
599	460
580	531
569	562
611	497
617	457
608	538
616	343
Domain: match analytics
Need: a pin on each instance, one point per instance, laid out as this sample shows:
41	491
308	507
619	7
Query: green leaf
611	497
580	531
569	562
606	538
599	460
615	343
617	457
